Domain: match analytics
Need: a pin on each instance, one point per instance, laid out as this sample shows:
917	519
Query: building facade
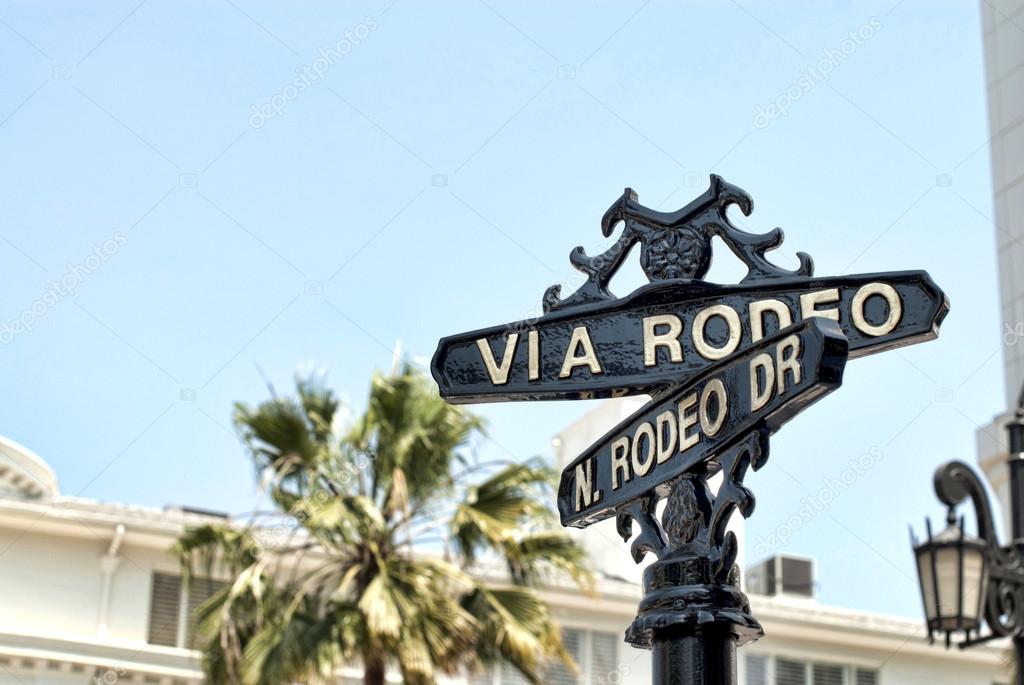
1004	76
90	593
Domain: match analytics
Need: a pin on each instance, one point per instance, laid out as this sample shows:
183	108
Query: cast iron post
702	657
1018	650
1015	462
693	615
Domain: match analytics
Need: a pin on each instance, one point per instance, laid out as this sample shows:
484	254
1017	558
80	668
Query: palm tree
367	552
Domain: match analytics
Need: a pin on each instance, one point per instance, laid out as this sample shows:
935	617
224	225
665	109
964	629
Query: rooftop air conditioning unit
782	574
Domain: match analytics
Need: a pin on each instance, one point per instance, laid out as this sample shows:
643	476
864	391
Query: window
826	674
595	653
604	658
164	608
757	669
790	672
866	677
199	590
768	670
172	608
561	674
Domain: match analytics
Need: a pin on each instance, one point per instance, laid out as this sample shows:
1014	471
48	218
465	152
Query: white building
76	578
89	593
1004	72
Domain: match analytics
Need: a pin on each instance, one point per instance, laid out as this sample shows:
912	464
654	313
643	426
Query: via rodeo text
655	339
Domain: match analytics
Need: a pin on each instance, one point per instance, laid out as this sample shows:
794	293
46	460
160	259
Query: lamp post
967	582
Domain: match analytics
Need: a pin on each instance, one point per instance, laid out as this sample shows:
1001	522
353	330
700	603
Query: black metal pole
701	657
1018	651
692	621
1015	462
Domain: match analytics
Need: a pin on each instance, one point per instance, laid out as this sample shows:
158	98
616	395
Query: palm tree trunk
373	670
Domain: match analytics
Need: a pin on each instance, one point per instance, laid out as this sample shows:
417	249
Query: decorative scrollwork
695	581
651	537
684	513
1004	606
955	481
674	245
694	522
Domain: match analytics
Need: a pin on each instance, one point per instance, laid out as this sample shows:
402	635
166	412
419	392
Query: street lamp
969	582
953	572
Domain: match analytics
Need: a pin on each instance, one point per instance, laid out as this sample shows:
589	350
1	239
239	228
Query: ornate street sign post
724	365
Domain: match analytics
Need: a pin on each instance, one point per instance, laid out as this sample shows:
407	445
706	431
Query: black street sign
764	386
725	366
667	332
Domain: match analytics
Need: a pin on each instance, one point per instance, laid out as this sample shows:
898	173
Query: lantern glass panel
961	573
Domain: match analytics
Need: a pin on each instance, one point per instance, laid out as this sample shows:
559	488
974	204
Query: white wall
1004	54
607	551
49	585
915	670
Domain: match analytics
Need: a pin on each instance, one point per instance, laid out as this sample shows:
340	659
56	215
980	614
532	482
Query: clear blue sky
434	180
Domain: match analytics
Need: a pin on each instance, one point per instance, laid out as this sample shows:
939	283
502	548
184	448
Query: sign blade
671	331
764	385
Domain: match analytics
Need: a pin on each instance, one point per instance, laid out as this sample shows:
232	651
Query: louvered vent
757	669
604	658
199	590
866	677
790	672
827	674
164	607
560	674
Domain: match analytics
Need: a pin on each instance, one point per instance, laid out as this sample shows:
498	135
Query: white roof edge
25	471
67	507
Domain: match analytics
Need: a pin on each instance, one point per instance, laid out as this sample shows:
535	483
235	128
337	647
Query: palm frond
279	441
516	627
493	513
320	405
203	548
384	609
529	557
415	662
408	426
347	519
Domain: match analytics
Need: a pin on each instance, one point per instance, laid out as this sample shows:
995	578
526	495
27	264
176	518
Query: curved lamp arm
955	481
